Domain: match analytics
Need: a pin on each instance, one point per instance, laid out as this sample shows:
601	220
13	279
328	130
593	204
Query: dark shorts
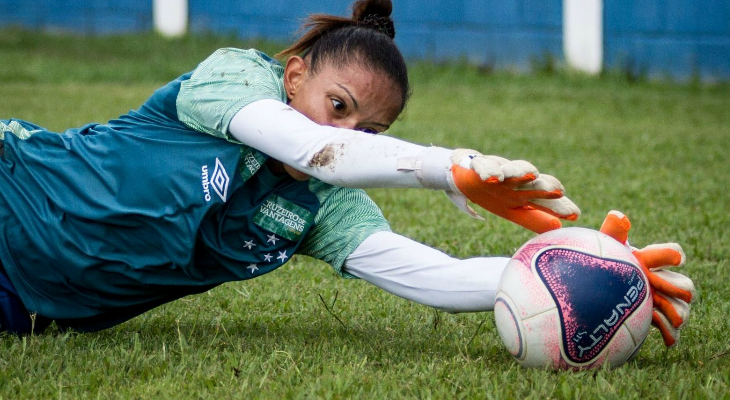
13	315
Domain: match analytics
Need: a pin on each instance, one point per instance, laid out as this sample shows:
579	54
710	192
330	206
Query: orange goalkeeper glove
513	190
671	292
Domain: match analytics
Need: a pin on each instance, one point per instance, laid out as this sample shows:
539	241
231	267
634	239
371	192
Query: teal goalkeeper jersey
101	223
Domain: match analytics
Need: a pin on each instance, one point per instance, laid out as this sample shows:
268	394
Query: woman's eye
369	130
338	105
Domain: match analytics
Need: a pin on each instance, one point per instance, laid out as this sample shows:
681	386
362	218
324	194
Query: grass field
657	151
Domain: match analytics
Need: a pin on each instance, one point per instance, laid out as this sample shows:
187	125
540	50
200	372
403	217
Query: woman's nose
349	123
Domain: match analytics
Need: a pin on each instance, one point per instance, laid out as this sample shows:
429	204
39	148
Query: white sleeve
337	156
422	274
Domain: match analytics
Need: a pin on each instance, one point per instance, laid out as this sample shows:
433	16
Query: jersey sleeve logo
251	162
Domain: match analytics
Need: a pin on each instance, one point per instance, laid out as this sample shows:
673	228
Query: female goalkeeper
209	182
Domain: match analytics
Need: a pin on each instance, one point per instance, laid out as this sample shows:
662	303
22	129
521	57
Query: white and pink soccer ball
573	298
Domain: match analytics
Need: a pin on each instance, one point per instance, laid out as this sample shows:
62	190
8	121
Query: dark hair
366	38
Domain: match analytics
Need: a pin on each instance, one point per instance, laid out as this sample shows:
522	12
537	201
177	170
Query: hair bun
375	14
363	8
380	24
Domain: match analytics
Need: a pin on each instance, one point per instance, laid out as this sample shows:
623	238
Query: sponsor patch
283	218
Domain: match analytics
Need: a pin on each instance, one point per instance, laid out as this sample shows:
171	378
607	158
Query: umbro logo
218	181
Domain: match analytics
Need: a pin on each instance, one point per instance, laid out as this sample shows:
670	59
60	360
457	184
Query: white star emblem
272	239
249	244
253	268
268	257
282	256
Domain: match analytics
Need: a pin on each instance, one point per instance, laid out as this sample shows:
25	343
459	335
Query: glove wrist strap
432	167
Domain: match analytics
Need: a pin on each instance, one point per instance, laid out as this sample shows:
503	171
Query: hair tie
379	23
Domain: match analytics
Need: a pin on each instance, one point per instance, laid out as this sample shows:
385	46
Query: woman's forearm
425	275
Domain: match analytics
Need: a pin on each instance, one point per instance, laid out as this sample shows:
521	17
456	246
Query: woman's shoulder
232	57
228	80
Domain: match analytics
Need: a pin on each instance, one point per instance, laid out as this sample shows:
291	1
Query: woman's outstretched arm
425	275
342	157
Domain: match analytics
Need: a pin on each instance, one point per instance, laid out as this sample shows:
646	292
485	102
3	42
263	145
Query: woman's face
345	97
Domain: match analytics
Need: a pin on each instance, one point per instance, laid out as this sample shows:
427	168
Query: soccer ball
573	298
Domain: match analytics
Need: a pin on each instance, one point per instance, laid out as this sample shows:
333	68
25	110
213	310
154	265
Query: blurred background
681	40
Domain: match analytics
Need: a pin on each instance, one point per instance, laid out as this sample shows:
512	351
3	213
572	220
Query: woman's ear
294	73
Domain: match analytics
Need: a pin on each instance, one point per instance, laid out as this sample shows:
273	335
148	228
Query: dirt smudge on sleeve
327	156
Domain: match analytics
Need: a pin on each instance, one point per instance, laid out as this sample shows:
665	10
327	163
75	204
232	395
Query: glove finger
463	157
537	221
519	168
674	310
669	333
544	187
528	195
616	225
514	173
682	308
561	208
672	284
499	160
661	255
543	183
513	183
488	169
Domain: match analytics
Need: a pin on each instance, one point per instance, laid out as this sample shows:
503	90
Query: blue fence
669	38
499	33
80	16
675	38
